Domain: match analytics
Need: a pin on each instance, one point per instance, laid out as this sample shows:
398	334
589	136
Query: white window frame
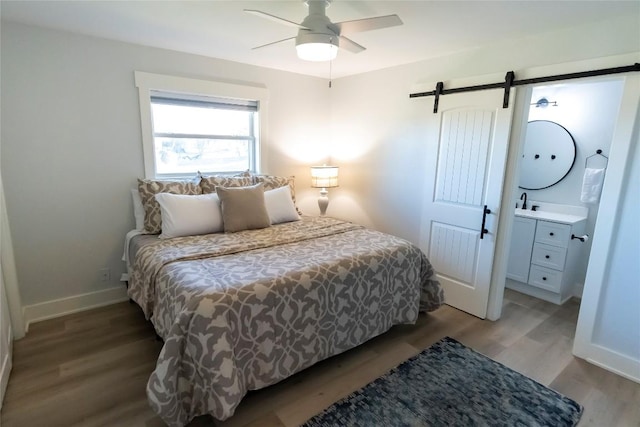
148	82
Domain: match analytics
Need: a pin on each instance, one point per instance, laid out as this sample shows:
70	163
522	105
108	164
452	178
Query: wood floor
90	369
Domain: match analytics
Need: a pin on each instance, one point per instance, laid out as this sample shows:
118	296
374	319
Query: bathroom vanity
545	249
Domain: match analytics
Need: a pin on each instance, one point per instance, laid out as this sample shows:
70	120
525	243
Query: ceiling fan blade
269	44
367	24
274	18
350	45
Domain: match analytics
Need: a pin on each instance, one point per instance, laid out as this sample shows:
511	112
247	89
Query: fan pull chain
330	64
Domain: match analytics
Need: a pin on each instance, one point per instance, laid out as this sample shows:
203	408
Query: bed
241	311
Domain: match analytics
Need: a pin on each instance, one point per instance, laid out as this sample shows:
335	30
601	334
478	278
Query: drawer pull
550	234
546	256
544	278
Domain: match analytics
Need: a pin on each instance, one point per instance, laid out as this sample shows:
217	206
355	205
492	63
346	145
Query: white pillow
138	209
188	215
280	205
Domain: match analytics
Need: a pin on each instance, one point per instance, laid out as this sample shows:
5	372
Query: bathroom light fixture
544	103
324	177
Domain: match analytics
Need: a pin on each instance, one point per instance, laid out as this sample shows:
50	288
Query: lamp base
323	201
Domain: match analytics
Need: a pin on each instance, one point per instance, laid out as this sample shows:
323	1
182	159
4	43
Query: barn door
464	171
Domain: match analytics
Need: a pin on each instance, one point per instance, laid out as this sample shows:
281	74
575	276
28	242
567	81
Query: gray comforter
242	311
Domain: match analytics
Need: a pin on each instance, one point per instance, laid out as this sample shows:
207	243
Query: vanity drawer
549	256
552	233
545	278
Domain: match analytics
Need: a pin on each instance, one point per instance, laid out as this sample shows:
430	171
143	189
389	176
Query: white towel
592	185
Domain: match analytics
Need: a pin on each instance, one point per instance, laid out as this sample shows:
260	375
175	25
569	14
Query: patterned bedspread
242	311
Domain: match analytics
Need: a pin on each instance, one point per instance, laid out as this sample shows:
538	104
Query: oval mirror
548	156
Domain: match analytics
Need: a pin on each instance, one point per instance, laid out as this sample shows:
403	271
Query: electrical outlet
105	274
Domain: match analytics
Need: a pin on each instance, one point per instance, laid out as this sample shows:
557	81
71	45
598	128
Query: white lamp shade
324	176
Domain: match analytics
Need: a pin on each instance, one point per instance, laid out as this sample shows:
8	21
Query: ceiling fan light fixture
316	47
319	39
317	51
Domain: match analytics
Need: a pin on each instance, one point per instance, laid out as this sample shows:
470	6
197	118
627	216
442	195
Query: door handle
483	230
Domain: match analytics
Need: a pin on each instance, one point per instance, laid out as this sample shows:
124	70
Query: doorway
587	112
554	268
607	302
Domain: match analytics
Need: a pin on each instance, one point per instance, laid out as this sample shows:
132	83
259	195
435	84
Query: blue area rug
449	384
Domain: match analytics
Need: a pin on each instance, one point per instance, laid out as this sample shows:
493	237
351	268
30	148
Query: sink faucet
524	195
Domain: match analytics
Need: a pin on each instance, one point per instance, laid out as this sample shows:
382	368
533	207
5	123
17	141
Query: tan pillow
243	208
149	188
208	184
271	182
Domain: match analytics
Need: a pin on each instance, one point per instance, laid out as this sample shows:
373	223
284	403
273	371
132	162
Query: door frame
605	238
9	272
506	216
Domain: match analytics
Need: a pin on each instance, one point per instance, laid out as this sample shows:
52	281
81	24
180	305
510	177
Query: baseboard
612	361
536	292
60	307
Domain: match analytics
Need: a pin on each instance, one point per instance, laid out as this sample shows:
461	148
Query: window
198	134
193	125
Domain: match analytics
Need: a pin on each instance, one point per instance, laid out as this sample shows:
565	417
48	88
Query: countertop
550	216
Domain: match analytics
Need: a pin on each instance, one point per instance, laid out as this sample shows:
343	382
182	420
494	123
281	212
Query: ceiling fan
318	38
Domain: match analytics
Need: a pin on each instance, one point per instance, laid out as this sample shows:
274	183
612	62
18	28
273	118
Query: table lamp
324	177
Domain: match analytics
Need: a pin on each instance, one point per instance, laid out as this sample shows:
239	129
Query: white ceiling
221	29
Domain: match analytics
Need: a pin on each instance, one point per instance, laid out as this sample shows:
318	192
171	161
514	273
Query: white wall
588	111
71	149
